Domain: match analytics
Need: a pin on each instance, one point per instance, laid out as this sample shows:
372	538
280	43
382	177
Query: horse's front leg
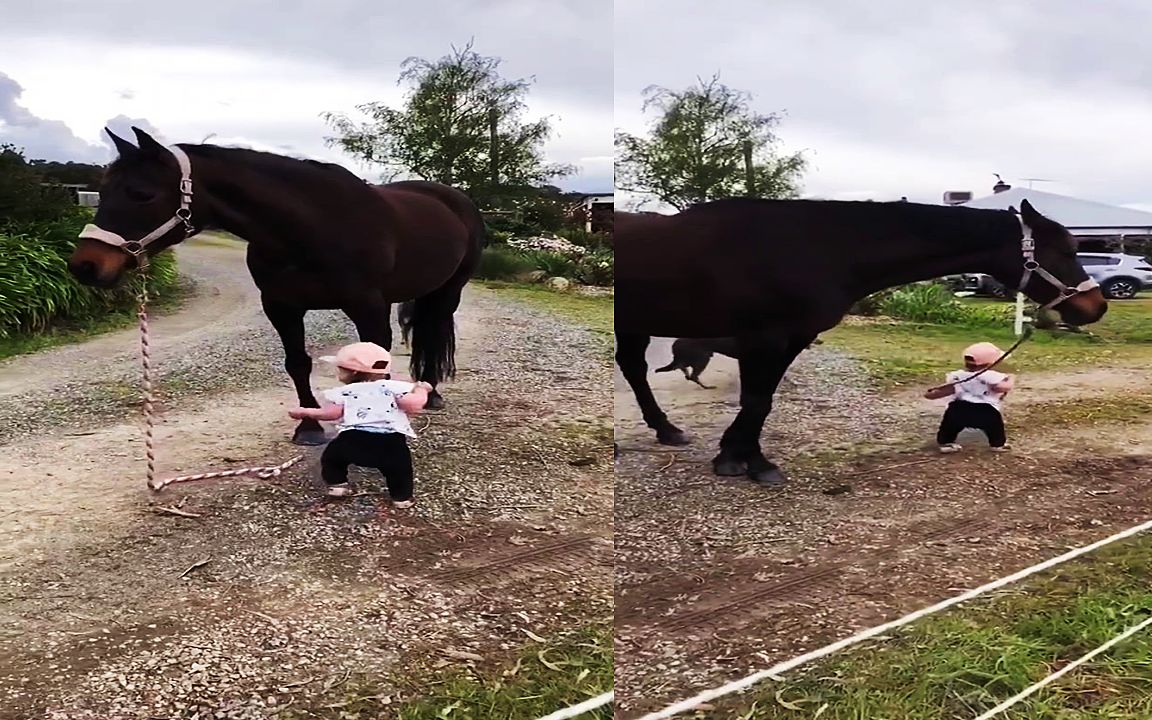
289	324
762	366
630	351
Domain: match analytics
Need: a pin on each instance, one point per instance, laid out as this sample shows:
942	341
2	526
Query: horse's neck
270	218
887	264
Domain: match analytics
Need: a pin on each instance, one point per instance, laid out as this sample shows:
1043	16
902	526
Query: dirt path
106	611
717	577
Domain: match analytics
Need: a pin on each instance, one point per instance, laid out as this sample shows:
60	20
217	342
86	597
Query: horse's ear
1012	209
123	147
1028	213
147	142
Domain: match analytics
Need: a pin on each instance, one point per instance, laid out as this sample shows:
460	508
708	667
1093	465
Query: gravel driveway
274	601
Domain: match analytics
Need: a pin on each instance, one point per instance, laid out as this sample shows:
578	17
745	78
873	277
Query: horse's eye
139	195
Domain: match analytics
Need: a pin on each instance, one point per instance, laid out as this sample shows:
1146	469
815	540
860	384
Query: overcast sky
907	98
260	72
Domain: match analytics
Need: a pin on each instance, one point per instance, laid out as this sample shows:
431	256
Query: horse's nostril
84	271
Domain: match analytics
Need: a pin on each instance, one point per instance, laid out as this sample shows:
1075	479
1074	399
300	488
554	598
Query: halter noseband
1028	245
137	248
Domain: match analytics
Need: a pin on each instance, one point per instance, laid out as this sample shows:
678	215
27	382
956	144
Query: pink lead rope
150	421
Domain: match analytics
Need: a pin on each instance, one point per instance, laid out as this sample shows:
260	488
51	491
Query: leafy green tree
696	148
22	197
461	124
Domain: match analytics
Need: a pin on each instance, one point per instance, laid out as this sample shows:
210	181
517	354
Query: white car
1120	276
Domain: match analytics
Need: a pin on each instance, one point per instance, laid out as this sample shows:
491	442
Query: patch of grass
543	677
963	662
1113	409
901	353
65	332
594	312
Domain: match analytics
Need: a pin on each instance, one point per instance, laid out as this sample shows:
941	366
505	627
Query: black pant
962	415
387	452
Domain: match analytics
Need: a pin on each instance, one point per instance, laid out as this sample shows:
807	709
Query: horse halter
137	248
1028	245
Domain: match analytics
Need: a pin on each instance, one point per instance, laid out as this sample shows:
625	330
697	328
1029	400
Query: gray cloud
40	138
566	44
923	97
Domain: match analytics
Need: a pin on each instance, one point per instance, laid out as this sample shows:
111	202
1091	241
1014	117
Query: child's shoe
950	448
1002	448
341	490
403	504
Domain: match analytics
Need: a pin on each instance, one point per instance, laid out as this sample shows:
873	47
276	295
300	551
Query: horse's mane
941	221
261	159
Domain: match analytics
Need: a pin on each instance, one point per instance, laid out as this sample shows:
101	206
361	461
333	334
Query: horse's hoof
309	437
729	468
769	476
672	437
435	402
615	451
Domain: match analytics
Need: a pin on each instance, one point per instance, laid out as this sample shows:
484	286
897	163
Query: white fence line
1064	670
577	710
780	668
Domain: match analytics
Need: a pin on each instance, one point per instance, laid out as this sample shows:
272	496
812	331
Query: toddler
977	396
372	411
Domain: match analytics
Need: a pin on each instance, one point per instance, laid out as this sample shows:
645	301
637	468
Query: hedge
36	290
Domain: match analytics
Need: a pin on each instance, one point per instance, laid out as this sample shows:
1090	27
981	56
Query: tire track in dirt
729	605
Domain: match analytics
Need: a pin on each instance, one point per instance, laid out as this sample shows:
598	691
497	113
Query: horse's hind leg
630	357
373	322
289	324
762	366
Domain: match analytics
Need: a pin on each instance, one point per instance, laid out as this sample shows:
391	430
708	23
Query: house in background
1098	227
597	211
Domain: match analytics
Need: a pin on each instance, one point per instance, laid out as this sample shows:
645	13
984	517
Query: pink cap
983	353
363	357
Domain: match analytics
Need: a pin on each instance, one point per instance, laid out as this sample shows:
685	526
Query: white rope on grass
781	668
577	710
1064	670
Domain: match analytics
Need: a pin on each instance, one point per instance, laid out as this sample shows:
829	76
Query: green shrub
595	241
935	304
870	306
503	263
553	263
37	291
596	268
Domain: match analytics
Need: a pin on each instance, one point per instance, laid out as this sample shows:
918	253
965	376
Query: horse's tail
404	319
432	323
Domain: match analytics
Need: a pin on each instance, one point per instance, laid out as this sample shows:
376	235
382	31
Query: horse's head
1050	274
145	206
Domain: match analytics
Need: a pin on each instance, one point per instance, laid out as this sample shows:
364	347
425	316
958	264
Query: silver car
1120	276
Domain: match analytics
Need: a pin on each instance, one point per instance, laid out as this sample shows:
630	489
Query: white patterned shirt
371	406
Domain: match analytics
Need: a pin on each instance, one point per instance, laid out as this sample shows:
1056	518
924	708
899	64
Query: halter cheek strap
138	248
1031	266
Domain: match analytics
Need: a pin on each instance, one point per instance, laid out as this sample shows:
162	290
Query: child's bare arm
328	412
940	392
414	400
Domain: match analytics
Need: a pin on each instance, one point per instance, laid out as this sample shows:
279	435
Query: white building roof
1083	217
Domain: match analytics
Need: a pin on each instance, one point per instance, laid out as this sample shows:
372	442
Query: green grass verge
963	662
569	668
594	312
66	332
904	352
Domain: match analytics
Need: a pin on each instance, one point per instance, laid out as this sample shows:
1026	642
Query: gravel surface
718	578
304	604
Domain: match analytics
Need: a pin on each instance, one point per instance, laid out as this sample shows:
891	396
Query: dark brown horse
775	274
318	238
